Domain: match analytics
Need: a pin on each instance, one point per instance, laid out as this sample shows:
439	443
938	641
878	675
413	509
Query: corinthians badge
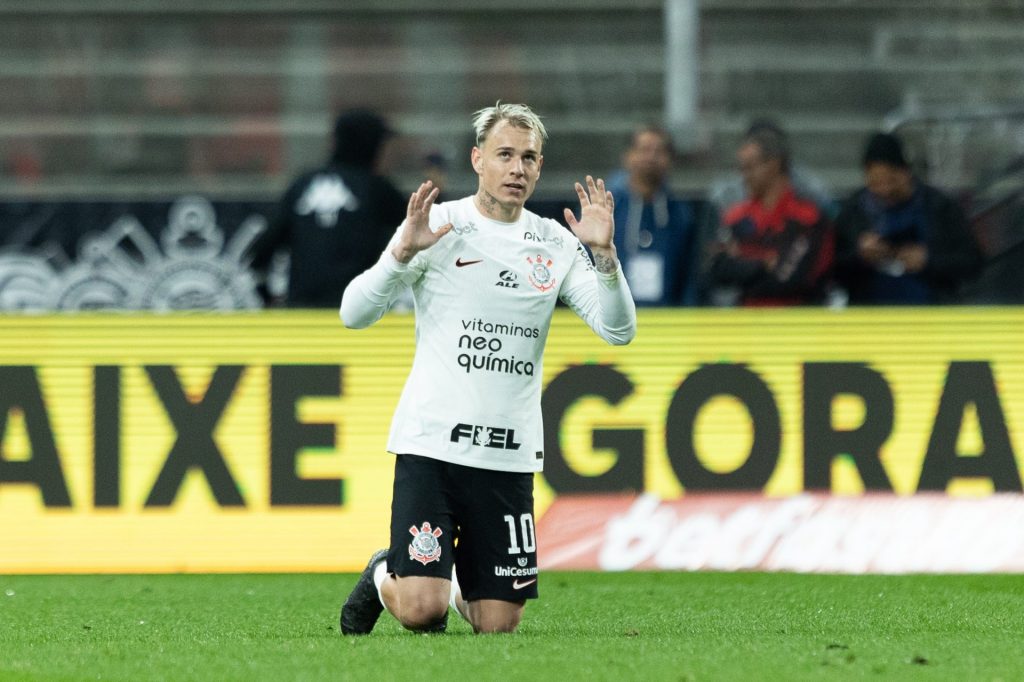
424	547
192	267
540	274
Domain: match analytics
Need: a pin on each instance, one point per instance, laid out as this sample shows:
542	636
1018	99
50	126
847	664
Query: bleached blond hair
518	115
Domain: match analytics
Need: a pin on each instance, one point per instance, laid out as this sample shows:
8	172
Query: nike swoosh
516	585
459	263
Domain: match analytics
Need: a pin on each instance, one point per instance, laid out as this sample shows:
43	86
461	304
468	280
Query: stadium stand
229	98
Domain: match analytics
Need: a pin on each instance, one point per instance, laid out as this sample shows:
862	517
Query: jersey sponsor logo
464	229
558	241
502	364
501	328
507	279
486	349
540	273
520	584
459	263
486	436
515	572
424	547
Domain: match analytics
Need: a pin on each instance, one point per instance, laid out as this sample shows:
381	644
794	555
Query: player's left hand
596	225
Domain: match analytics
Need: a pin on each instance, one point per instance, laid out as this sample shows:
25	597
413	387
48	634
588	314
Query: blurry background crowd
220	154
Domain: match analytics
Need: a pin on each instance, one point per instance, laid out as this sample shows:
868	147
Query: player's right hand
416	233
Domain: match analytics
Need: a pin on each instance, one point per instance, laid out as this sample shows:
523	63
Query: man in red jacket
774	247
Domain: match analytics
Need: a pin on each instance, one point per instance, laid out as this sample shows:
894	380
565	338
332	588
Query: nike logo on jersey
459	263
517	585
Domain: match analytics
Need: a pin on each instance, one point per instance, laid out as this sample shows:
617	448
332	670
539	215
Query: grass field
586	626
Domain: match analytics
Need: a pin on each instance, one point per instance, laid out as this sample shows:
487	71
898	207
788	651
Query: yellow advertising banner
255	441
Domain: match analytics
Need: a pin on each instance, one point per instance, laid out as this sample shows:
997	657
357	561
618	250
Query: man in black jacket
334	221
901	241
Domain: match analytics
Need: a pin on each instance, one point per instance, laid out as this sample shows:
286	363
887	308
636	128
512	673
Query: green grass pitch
586	626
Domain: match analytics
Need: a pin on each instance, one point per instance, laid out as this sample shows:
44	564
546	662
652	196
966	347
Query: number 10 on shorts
529	534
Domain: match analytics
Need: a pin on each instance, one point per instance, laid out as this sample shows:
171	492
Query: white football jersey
484	297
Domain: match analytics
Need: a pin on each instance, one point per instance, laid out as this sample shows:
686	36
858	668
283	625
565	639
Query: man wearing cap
901	241
334	221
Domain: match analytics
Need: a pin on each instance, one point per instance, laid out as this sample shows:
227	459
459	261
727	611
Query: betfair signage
255	441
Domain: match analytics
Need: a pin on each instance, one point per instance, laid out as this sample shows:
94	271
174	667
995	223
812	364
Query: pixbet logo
534	237
487	436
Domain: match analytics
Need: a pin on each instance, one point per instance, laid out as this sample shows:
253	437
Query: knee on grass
422	614
493	622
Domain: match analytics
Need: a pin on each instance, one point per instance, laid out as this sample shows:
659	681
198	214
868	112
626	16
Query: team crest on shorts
424	547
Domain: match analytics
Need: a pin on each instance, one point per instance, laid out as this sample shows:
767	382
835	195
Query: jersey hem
467	462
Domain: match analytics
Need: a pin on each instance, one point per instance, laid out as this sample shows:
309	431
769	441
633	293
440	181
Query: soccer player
485	274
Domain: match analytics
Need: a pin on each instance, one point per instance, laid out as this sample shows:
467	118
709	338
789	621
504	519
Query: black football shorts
478	520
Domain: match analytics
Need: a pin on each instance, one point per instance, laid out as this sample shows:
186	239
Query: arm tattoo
606	265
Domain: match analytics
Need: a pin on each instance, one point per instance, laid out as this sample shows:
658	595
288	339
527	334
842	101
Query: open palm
596	224
416	233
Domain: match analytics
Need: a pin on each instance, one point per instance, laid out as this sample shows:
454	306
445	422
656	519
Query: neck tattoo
492	208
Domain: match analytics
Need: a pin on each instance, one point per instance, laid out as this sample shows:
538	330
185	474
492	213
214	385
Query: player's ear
477	159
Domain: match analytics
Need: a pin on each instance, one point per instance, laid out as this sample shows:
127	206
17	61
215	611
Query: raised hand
596	225
416	233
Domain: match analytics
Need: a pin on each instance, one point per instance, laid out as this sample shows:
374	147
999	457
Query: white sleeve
371	294
603	301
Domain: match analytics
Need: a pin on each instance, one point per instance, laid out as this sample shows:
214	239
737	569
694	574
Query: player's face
508	163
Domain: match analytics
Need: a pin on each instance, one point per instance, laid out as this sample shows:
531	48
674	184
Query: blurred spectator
336	220
774	247
25	165
731	190
655	233
899	240
435	169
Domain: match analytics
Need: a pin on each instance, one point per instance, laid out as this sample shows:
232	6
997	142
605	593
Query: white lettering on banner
904	536
740	540
689	543
780	520
635	537
804	533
